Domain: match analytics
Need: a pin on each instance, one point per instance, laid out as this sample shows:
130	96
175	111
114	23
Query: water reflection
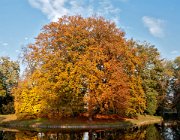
150	132
170	132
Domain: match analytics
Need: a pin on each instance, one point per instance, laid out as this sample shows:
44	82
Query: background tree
148	76
176	66
2	86
171	100
9	74
153	74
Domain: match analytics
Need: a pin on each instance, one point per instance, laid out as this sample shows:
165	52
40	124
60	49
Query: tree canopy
86	66
77	67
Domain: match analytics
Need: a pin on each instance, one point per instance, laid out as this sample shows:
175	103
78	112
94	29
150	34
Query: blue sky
154	21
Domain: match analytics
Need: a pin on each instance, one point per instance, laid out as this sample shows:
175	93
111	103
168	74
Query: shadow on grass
65	124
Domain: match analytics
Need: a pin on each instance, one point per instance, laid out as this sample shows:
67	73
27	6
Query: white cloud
55	9
154	25
124	0
4	44
17	51
51	8
174	52
26	38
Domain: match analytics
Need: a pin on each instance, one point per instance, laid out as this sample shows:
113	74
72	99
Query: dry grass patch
7	118
145	119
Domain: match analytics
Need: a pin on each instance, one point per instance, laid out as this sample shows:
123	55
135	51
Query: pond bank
10	121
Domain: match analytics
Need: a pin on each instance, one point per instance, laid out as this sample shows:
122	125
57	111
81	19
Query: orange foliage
79	65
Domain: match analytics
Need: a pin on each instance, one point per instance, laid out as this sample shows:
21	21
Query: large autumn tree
77	65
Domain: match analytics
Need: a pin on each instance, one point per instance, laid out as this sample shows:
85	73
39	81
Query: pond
150	132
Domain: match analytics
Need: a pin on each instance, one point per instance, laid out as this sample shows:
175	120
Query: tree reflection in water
150	132
171	132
